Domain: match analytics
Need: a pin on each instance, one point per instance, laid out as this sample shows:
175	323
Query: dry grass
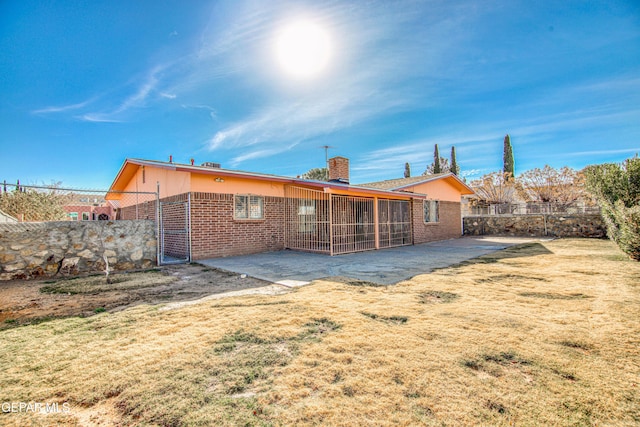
541	334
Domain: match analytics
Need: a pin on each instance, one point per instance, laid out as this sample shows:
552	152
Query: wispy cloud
420	153
367	86
303	119
64	108
631	151
260	153
98	118
138	92
142	92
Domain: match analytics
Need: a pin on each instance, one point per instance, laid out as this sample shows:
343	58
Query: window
431	211
85	216
73	216
249	207
306	216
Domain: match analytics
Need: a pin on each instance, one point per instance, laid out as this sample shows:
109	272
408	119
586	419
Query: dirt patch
24	302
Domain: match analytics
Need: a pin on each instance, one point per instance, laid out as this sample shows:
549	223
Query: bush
31	205
616	187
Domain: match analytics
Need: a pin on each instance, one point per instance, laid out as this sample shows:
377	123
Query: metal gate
352	224
175	242
394	223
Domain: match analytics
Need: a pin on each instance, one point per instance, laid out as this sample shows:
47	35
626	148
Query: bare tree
495	188
444	167
561	187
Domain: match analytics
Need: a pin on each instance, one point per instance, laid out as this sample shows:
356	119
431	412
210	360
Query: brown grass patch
554	295
312	356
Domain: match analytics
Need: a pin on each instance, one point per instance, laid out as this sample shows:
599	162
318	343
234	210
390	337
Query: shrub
616	187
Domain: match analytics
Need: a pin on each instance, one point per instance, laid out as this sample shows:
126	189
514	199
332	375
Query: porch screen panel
307	220
353	225
394	223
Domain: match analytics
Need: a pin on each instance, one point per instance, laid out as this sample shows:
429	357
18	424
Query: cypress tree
508	161
436	161
407	170
455	169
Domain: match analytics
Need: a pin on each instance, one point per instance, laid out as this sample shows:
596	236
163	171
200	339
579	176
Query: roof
390	184
400	184
130	166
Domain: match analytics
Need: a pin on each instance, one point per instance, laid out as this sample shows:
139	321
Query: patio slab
387	266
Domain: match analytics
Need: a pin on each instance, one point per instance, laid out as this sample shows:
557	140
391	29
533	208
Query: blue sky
86	84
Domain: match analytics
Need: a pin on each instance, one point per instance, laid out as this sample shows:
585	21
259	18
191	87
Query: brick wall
144	210
448	227
215	233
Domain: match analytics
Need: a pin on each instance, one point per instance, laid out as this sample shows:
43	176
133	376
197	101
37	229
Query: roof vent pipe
170	159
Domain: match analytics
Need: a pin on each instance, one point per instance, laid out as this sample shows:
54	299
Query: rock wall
582	225
45	249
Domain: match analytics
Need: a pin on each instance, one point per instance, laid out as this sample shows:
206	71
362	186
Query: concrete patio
388	266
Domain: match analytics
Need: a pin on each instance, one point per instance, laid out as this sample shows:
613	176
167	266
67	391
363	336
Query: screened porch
333	224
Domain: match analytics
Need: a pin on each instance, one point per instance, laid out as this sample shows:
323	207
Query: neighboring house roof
130	166
404	183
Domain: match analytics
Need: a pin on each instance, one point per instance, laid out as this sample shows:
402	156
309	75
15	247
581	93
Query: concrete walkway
387	266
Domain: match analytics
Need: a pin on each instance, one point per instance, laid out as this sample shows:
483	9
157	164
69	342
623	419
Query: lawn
546	333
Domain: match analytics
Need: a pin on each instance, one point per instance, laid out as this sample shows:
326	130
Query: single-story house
207	211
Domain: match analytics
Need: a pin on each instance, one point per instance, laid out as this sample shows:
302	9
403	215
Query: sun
303	49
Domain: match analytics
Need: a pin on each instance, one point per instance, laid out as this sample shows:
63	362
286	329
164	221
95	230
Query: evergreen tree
455	169
436	161
407	170
508	161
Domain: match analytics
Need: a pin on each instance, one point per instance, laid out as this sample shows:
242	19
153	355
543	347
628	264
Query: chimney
339	169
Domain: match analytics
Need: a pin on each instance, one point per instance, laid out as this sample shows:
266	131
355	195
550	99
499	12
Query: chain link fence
532	208
41	203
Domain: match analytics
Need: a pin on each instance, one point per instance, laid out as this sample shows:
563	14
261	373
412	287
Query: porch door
353	224
394	223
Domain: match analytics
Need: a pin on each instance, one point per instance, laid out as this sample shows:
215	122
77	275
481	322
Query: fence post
158	248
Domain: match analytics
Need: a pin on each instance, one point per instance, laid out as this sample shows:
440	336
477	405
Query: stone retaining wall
582	225
45	249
